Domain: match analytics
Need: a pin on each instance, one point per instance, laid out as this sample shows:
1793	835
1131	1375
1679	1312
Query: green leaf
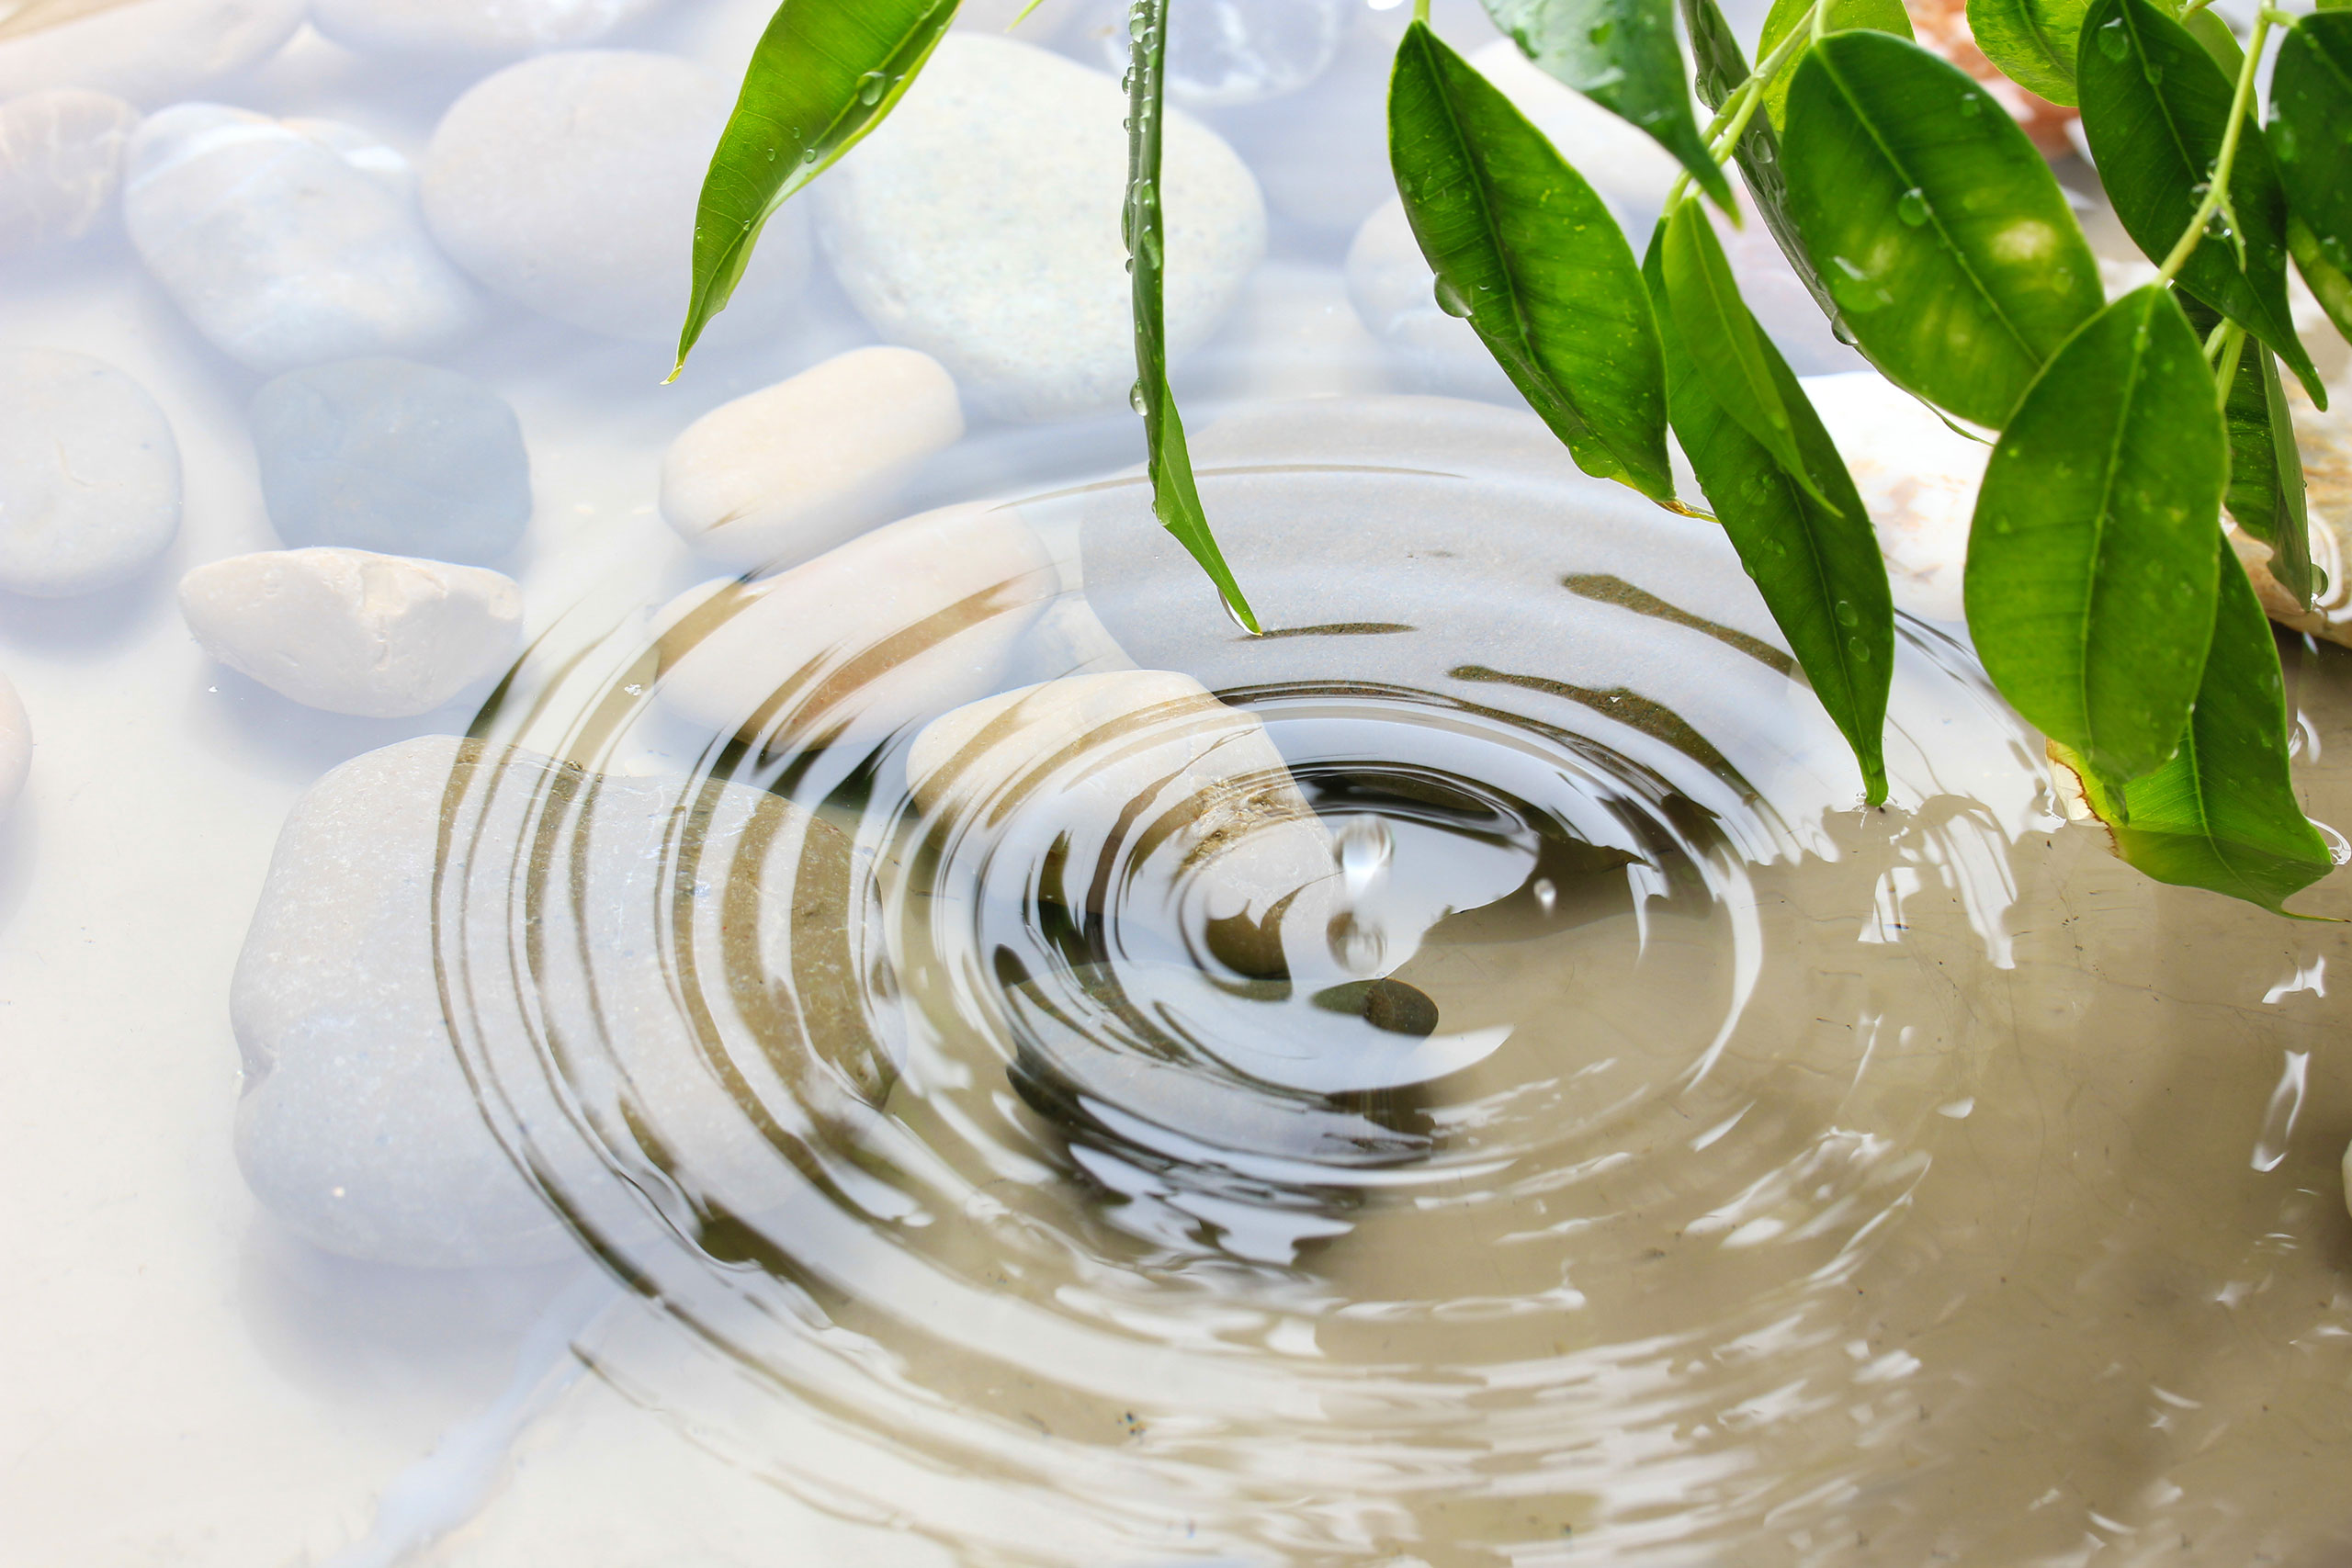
2221	815
2032	41
2311	107
2155	107
1524	248
825	72
2328	283
1787	16
2096	538
2266	490
1622	55
1817	565
1175	496
1955	260
2208	28
1729	352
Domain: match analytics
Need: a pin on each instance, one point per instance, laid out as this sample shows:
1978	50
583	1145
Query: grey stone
387	1118
150	52
89	475
289	244
395	457
61	161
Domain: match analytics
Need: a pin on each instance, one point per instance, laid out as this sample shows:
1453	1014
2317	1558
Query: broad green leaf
1787	16
2311	111
1955	260
1524	248
1729	352
2208	28
2155	107
2032	41
2328	283
1175	496
2222	814
2096	538
1622	55
2266	492
1817	565
825	72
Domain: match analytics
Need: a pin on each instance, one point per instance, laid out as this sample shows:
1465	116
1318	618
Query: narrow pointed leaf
1175	496
1953	258
1525	249
1787	16
2329	283
2155	108
1817	565
1621	54
2266	490
1727	352
2311	107
2096	538
2032	41
2222	814
825	72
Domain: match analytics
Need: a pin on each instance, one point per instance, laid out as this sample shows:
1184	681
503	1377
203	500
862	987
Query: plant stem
2217	186
1723	132
2226	373
1421	12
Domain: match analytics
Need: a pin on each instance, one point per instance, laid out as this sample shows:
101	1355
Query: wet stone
470	29
568	184
89	475
391	455
61	163
348	631
288	244
150	52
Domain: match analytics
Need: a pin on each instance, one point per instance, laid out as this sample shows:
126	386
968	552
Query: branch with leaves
2099	592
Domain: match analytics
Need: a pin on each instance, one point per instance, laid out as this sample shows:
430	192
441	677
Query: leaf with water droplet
1621	54
2267	489
2311	96
2032	41
2099	508
1787	16
839	65
2221	813
1520	242
1966	307
1816	565
2156	140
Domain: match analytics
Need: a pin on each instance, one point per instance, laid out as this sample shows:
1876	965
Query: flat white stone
471	28
881	634
1918	480
61	161
289	244
789	472
150	52
350	631
568	184
89	475
15	746
359	1127
980	224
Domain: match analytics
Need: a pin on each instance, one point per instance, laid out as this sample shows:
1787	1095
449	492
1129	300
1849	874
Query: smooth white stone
568	183
150	52
61	161
15	746
290	244
350	631
89	475
1067	639
890	629
1294	334
358	1125
980	224
471	28
789	472
1394	295
1917	477
1226	52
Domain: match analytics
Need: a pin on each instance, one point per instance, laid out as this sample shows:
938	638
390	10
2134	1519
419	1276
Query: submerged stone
150	52
15	746
467	29
61	163
89	475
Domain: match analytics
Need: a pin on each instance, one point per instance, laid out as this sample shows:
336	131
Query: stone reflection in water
1708	1170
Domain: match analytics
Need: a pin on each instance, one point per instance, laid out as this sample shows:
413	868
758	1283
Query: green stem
1421	12
2226	373
2213	339
1723	132
2217	186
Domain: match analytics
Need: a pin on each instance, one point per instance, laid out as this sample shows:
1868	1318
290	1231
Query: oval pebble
89	475
470	27
150	52
61	163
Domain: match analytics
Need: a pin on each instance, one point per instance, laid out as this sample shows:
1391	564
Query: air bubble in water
1363	850
1547	896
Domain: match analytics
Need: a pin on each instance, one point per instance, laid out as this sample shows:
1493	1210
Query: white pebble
980	224
15	746
290	243
1917	479
150	52
89	475
1394	295
470	27
789	472
883	633
61	161
350	631
569	183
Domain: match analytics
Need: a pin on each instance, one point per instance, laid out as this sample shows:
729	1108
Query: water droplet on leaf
1450	300
1912	206
2112	43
